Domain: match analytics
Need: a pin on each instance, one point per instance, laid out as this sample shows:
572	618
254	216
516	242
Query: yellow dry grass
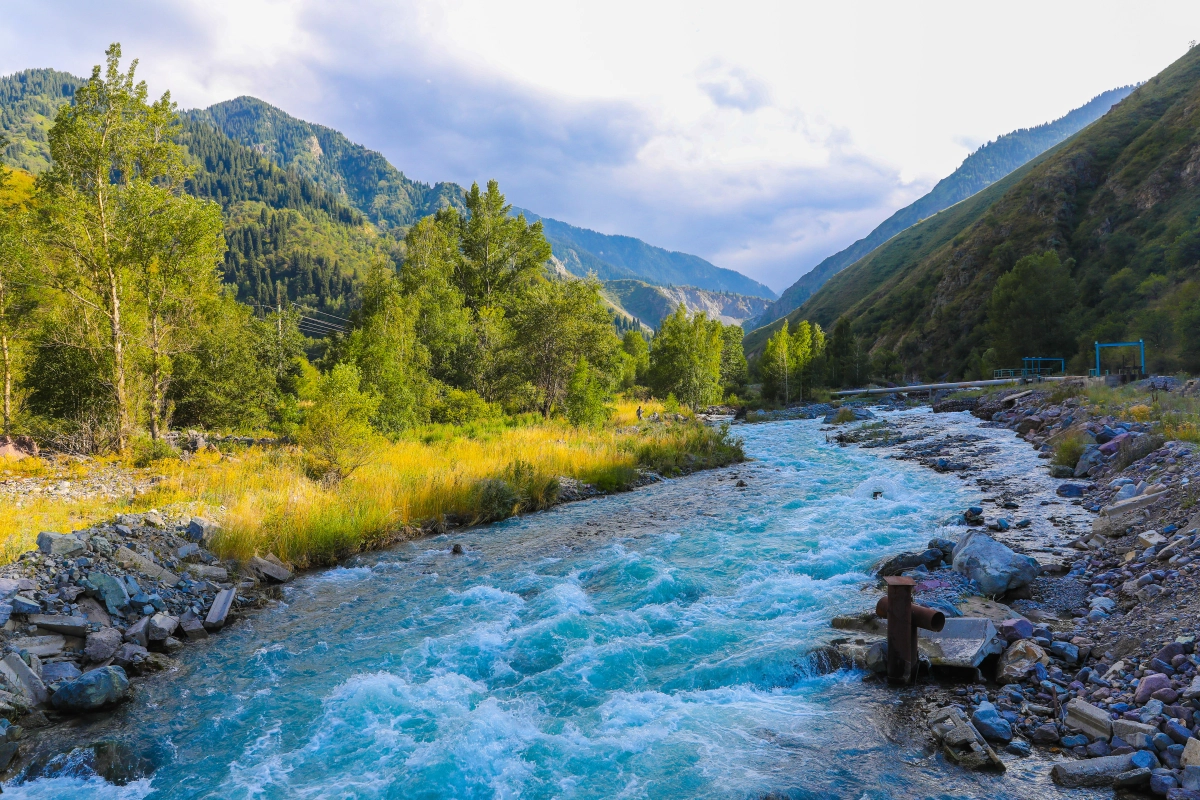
266	503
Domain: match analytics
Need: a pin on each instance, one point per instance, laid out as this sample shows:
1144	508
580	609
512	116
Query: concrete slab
964	642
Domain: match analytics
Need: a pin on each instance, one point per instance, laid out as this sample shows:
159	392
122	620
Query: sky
762	136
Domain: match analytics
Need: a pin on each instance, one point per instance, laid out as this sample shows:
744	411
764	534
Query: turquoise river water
645	645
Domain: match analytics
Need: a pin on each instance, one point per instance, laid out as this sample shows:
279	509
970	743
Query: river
644	645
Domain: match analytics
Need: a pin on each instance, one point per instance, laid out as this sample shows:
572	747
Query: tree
1029	313
106	146
586	396
635	358
175	251
386	351
776	366
841	353
336	433
685	358
499	252
806	347
734	369
443	322
15	297
554	325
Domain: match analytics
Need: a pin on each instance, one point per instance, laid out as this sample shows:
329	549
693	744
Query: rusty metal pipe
904	619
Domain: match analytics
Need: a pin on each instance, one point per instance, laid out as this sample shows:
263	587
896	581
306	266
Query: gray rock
92	690
101	545
64	545
160	627
1090	719
1045	734
1091	457
192	627
9	587
1131	779
102	644
1090	772
8	751
269	570
987	721
153	519
129	656
57	671
992	565
112	591
223	603
906	561
207	573
189	550
1065	651
1162	781
25	605
202	530
24	679
138	632
57	623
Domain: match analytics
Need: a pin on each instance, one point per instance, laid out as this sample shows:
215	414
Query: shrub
458	407
845	414
144	451
336	435
1068	452
1140	412
585	397
495	500
671	405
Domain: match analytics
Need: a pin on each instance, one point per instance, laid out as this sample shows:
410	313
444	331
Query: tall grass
266	503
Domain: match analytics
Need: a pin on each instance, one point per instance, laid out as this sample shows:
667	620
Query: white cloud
763	136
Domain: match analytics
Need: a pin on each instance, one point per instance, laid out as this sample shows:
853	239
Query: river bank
1098	657
655	643
89	611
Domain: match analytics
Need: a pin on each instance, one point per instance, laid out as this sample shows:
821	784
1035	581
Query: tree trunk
7	385
119	393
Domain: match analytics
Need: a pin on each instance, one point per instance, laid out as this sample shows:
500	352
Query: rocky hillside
1117	202
650	304
981	169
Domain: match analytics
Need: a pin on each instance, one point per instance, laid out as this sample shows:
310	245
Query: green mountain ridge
1118	202
367	181
990	163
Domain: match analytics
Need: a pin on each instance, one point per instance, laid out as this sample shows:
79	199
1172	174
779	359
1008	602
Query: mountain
650	304
368	182
1119	202
288	239
985	166
623	257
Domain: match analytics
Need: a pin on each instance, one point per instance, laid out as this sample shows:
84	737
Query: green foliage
685	358
585	401
734	369
1029	310
500	253
336	435
790	360
1068	451
636	363
555	324
459	407
145	451
700	447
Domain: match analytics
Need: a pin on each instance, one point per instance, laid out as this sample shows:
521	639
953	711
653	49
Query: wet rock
905	561
192	627
114	761
1070	490
1044	734
92	690
102	644
1132	778
992	565
1018	748
989	723
1091	772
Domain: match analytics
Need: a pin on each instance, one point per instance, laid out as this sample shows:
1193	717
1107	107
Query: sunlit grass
266	503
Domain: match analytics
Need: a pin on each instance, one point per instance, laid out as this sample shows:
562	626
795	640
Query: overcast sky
761	136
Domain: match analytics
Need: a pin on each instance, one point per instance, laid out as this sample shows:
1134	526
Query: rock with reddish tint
1148	685
1166	696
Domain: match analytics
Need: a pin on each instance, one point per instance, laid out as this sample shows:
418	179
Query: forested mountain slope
368	182
1118	204
985	166
288	239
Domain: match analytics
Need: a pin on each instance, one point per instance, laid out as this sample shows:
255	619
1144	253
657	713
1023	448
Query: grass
1068	451
477	473
1177	416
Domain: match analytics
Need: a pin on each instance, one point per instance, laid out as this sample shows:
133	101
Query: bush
336	435
494	500
585	397
671	405
145	451
458	407
1068	452
844	415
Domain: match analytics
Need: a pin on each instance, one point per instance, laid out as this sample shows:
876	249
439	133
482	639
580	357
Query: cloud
733	87
762	141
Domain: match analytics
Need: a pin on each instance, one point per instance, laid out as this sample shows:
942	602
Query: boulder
993	566
905	561
23	678
223	603
57	671
102	644
111	590
1132	778
57	623
1018	659
269	570
92	690
202	530
64	545
137	632
206	573
1149	685
1013	629
1191	754
1070	490
987	721
1045	734
1094	721
21	604
160	627
192	627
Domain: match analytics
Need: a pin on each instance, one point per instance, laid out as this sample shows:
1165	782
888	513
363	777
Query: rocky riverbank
1090	650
